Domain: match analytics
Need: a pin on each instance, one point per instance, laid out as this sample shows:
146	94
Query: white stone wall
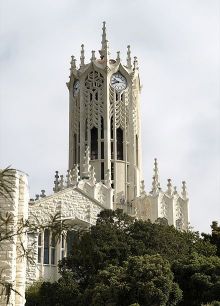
12	259
73	205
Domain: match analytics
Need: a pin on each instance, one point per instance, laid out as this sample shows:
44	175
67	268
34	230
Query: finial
108	179
74	175
86	165
37	197
104	50
174	190
73	63
68	178
129	58
142	188
56	182
184	193
169	187
135	63
82	57
61	182
92	176
104	35
93	58
155	183
118	56
43	195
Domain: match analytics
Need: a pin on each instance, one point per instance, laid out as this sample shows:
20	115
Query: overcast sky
178	48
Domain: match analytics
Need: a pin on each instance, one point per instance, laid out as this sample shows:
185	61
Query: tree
146	280
199	279
214	238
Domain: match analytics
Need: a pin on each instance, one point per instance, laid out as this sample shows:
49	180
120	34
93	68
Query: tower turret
104	116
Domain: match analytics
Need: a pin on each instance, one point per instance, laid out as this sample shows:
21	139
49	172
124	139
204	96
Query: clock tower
104	119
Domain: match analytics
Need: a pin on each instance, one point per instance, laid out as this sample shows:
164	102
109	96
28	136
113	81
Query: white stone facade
104	172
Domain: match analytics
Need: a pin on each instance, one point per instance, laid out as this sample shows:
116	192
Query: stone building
104	170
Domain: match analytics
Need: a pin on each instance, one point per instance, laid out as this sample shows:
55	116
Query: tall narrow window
94	143
112	171
102	128
112	134
46	246
136	150
102	171
39	248
119	144
75	148
53	249
112	150
62	246
86	132
79	132
102	150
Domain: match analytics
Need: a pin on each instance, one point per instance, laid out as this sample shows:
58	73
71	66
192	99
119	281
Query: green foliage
214	238
199	278
122	261
146	280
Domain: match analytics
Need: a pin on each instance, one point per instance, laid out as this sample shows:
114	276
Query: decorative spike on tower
129	66
136	63
169	187
155	183
184	193
93	58
142	188
108	179
104	49
82	57
73	64
74	178
118	56
86	165
56	182
92	176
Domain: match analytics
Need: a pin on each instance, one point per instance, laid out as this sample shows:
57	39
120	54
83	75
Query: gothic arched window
112	133
46	246
94	143
120	144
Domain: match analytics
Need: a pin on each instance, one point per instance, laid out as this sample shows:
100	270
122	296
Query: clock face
118	81
76	87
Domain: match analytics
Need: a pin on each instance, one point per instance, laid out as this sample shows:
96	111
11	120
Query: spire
108	179
92	176
184	193
118	56
86	165
155	183
73	63
93	58
104	50
169	187
74	177
142	188
82	57
129	58
61	182
135	63
56	182
104	39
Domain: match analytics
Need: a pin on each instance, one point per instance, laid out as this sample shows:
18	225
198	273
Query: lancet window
119	144
94	143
